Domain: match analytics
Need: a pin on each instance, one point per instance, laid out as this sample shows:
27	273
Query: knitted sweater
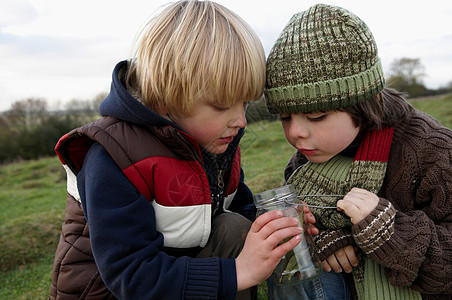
413	219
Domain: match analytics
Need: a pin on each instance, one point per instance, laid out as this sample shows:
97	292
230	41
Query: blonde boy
156	200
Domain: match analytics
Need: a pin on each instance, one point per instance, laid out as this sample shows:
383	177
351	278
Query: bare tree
27	113
406	75
410	70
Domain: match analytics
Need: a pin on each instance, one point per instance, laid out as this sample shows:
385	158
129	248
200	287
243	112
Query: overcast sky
61	50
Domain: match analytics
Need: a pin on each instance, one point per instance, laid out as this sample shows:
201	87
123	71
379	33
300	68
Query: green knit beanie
325	58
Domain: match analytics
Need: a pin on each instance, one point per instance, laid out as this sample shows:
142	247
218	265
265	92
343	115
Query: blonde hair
193	50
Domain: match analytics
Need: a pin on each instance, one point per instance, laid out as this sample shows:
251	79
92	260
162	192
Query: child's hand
343	259
309	219
261	252
358	204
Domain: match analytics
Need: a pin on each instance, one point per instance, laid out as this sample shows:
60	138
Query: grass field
33	193
32	202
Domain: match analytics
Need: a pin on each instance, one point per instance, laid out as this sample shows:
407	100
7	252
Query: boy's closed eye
220	108
311	117
284	117
225	108
316	117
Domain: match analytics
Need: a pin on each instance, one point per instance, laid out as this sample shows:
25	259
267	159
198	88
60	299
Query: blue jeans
328	286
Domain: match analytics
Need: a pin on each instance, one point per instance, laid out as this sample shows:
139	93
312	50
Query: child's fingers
312	230
362	198
348	207
271	222
303	207
309	220
308	216
283	248
357	204
352	202
333	263
284	232
350	251
342	258
273	230
360	193
326	266
264	219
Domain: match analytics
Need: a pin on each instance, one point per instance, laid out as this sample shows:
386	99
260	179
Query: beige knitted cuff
376	228
329	241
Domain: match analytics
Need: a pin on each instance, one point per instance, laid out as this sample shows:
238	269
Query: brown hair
386	109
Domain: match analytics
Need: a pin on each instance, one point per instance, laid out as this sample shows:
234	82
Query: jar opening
280	196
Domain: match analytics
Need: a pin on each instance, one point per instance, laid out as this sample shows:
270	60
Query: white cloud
16	12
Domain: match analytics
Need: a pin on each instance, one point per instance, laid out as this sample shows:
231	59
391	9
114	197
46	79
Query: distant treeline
29	130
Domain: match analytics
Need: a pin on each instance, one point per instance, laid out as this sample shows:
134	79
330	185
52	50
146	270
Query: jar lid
276	196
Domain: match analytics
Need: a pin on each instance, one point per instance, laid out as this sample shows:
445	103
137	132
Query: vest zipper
220	179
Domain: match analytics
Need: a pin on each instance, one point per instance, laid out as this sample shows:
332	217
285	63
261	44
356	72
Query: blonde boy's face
212	126
319	136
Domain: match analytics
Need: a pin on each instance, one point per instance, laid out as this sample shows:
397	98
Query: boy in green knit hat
391	234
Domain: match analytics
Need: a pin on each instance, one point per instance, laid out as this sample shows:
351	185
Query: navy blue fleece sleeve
127	246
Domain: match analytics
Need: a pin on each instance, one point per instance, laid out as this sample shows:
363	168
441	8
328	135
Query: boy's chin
218	149
318	159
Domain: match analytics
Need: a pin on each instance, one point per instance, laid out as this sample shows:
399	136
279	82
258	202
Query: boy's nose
239	119
298	131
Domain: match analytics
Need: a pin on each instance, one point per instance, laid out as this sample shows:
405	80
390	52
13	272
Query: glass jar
301	263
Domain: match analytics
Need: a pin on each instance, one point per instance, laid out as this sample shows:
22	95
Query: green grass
32	203
30	187
265	153
440	108
33	198
28	282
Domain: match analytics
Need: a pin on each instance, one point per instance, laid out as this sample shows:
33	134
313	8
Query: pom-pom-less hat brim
326	95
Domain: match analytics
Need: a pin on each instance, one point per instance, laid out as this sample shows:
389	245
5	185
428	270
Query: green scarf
337	176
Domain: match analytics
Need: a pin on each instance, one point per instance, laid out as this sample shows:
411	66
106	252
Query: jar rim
285	194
